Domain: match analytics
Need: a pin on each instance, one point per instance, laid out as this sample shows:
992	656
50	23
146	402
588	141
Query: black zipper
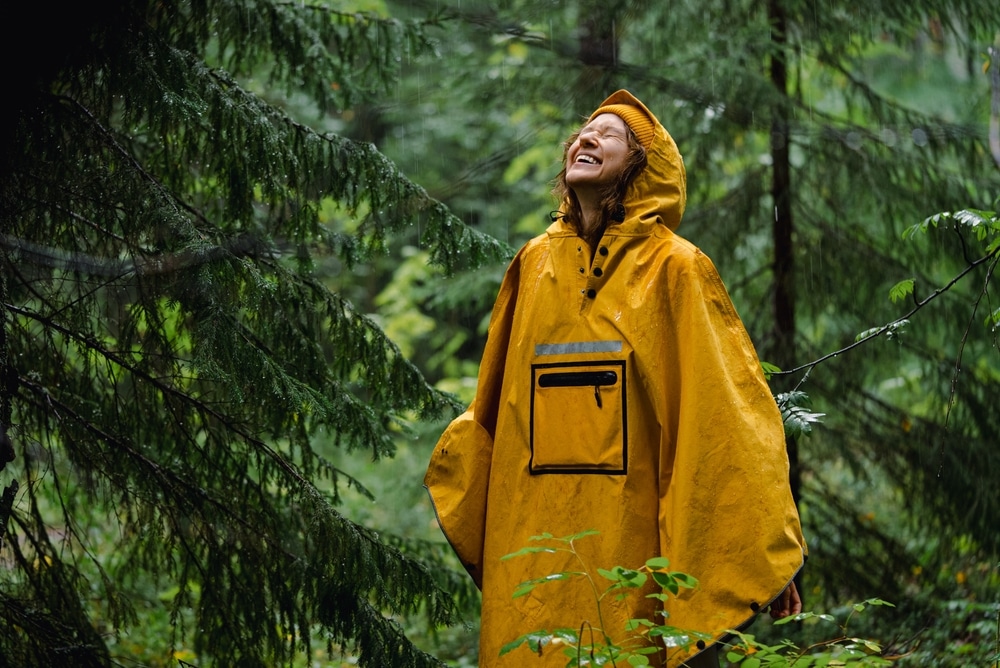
580	379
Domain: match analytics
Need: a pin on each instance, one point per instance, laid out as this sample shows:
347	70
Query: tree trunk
783	351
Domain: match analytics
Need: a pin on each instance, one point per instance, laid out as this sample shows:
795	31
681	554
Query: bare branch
895	323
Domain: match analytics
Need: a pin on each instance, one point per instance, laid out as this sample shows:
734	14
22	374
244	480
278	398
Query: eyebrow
603	127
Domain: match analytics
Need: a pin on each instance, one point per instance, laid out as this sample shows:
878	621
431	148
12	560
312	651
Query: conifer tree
168	353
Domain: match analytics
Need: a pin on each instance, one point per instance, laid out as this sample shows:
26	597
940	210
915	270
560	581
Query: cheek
618	164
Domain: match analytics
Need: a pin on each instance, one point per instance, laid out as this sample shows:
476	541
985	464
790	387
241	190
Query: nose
588	138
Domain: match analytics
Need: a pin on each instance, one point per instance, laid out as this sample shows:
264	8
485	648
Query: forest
250	249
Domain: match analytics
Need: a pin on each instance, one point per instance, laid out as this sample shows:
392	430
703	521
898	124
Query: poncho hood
658	195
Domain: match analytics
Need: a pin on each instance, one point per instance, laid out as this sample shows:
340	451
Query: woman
619	392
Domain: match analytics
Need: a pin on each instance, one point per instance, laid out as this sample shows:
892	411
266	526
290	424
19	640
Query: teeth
588	159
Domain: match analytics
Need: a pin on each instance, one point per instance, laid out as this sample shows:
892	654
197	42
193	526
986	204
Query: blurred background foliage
814	134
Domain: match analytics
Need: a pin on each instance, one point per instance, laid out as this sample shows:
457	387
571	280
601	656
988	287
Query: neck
590	212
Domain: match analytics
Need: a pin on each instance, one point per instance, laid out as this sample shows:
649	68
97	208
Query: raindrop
919	136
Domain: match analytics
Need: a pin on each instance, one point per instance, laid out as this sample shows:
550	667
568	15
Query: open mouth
588	159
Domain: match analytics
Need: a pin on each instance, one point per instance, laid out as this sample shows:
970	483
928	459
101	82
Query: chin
576	179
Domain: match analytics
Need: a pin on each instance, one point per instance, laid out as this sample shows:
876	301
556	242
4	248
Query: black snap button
591	293
603	250
579	249
755	606
581	270
701	644
598	272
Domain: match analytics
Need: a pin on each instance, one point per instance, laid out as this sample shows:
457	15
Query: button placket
583	261
596	271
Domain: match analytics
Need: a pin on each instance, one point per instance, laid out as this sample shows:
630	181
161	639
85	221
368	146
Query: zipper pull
597	395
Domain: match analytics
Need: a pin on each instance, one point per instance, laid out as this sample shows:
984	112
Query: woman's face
598	155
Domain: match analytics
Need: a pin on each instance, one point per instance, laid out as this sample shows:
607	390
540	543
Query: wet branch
993	256
58	258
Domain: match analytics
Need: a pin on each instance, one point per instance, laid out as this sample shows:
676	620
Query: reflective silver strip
578	347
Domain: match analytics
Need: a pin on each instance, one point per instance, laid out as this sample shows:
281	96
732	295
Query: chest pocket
578	418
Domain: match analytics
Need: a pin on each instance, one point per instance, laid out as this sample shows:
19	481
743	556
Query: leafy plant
589	646
841	650
984	224
794	411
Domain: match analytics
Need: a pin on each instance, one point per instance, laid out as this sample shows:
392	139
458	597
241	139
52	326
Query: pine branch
73	261
111	142
384	580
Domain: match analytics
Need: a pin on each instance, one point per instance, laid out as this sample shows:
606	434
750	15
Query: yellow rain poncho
619	392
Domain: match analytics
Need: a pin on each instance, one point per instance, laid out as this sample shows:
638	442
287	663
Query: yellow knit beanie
636	118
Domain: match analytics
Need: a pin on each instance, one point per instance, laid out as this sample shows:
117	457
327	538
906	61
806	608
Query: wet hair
612	199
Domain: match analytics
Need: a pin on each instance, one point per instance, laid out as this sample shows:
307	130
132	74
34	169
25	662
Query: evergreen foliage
169	352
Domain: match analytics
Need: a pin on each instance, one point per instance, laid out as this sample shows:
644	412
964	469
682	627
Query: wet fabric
619	391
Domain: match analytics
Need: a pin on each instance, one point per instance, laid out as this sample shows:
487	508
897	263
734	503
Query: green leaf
623	577
523	589
535	641
636	578
528	550
799	421
666	581
982	222
802	616
647	650
582	534
568	636
901	290
879	602
872	646
528	585
769	369
688	581
890	330
974	217
633	624
868	333
658	563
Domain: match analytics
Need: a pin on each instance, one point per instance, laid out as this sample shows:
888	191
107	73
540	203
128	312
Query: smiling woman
619	393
